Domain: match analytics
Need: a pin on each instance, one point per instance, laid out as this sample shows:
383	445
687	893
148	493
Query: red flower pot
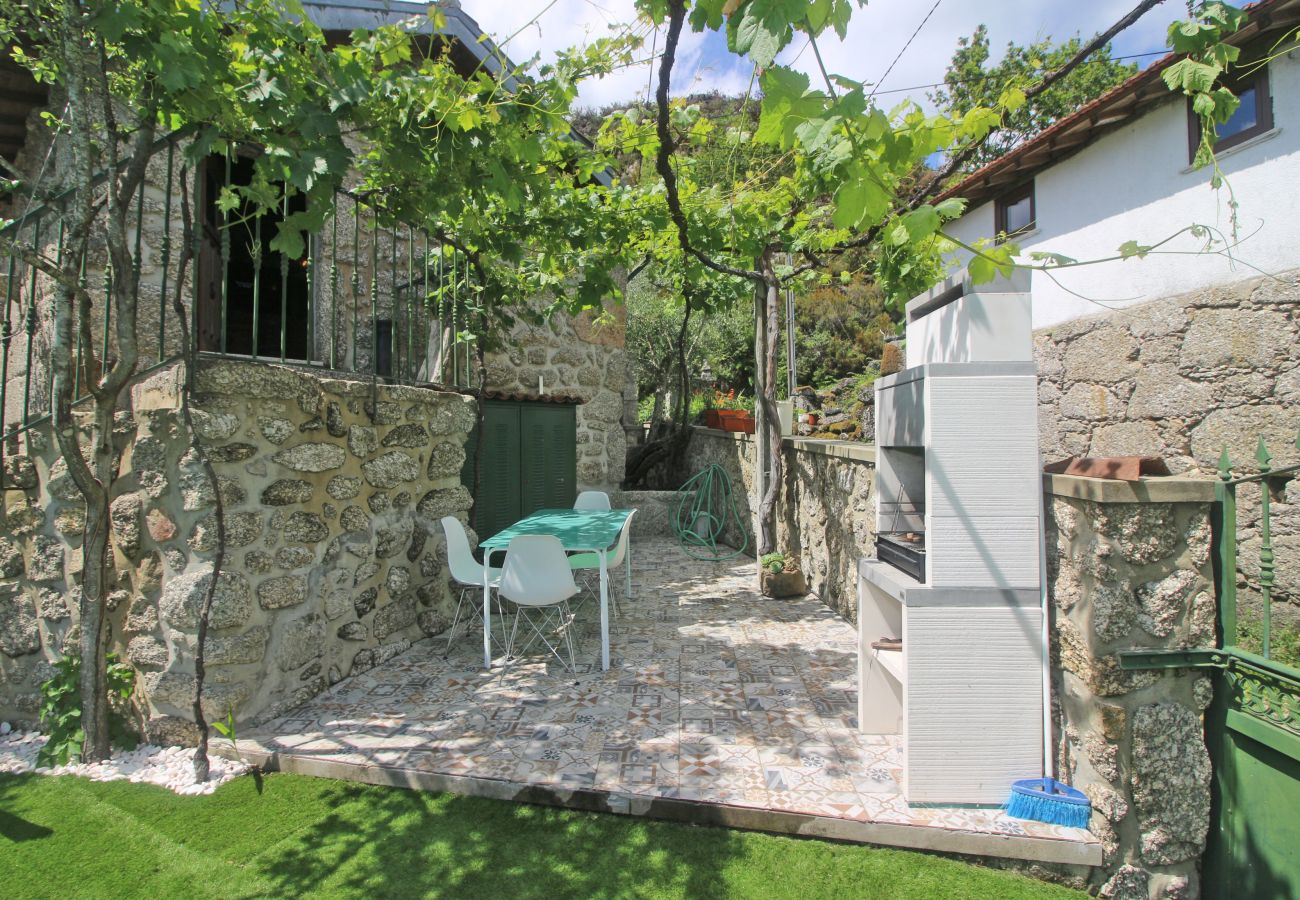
737	420
713	418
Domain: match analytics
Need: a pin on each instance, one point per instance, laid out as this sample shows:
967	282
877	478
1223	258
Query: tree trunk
767	430
657	411
480	441
684	380
94	637
81	212
201	763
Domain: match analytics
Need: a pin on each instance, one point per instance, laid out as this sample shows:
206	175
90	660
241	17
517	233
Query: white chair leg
570	621
558	618
451	632
514	631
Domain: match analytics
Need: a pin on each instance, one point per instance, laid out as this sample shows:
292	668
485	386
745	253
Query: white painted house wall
1135	184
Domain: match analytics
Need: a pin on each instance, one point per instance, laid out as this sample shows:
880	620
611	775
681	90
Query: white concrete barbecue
958	577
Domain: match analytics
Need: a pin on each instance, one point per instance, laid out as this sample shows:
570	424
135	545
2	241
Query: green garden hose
705	506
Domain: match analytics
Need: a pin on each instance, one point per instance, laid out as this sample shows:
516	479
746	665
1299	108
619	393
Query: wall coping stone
719	433
1175	489
854	450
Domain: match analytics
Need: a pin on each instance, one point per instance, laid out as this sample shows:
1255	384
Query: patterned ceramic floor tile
714	695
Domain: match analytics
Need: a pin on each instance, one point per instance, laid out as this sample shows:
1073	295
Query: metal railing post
257	284
356	277
1226	494
284	285
334	287
1266	565
225	258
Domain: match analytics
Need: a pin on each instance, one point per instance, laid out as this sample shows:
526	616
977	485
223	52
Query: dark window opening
1013	212
1254	114
251	278
384	347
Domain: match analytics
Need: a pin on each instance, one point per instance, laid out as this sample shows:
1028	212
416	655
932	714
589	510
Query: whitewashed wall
1135	184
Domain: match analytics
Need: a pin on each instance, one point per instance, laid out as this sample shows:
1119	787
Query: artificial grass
69	837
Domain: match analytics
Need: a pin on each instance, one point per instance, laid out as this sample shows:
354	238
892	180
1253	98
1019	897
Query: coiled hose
706	504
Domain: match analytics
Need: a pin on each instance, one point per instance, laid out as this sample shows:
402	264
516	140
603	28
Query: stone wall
736	454
334	562
828	516
583	357
1184	378
1129	569
654	511
826	513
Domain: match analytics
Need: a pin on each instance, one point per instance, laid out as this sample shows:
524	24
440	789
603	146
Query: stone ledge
1147	490
854	450
704	431
933	838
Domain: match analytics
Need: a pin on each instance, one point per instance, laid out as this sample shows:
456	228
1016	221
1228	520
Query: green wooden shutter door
550	458
530	462
498	504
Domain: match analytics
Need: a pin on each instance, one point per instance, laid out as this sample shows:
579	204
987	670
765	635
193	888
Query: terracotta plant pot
713	418
811	419
737	420
783	584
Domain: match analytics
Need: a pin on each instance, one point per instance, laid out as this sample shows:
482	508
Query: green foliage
1284	642
226	728
773	562
722	337
972	83
60	710
729	400
1202	38
839	330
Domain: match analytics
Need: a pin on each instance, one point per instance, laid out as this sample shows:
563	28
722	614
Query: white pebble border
169	767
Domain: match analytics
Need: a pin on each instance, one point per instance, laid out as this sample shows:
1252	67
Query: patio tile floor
715	697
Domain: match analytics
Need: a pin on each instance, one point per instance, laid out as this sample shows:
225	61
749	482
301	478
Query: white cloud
876	34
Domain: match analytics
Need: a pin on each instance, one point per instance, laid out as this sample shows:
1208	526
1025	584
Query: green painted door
530	458
1253	734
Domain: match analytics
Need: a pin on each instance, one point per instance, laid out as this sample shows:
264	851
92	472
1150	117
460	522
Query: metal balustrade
1269	480
369	296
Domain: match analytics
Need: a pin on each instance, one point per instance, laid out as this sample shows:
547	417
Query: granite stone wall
1129	569
735	453
826	513
331	493
583	357
1185	378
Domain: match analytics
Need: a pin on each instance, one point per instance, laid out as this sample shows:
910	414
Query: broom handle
1048	767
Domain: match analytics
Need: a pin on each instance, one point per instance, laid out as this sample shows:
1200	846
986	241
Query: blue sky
876	34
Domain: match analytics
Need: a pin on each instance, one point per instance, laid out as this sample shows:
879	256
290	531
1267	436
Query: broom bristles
1044	800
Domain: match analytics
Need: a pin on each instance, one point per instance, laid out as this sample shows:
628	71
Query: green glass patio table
583	530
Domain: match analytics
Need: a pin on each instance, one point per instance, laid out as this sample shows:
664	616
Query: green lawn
68	837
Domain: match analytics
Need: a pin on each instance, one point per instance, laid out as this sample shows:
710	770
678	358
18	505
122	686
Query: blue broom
1048	800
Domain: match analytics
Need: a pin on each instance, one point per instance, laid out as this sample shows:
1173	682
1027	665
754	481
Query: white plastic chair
587	562
538	580
593	500
466	574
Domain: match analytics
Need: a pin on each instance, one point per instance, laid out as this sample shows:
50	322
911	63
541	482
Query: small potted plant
712	409
735	414
781	576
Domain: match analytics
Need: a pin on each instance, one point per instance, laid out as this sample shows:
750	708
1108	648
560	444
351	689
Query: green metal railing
1269	480
385	301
